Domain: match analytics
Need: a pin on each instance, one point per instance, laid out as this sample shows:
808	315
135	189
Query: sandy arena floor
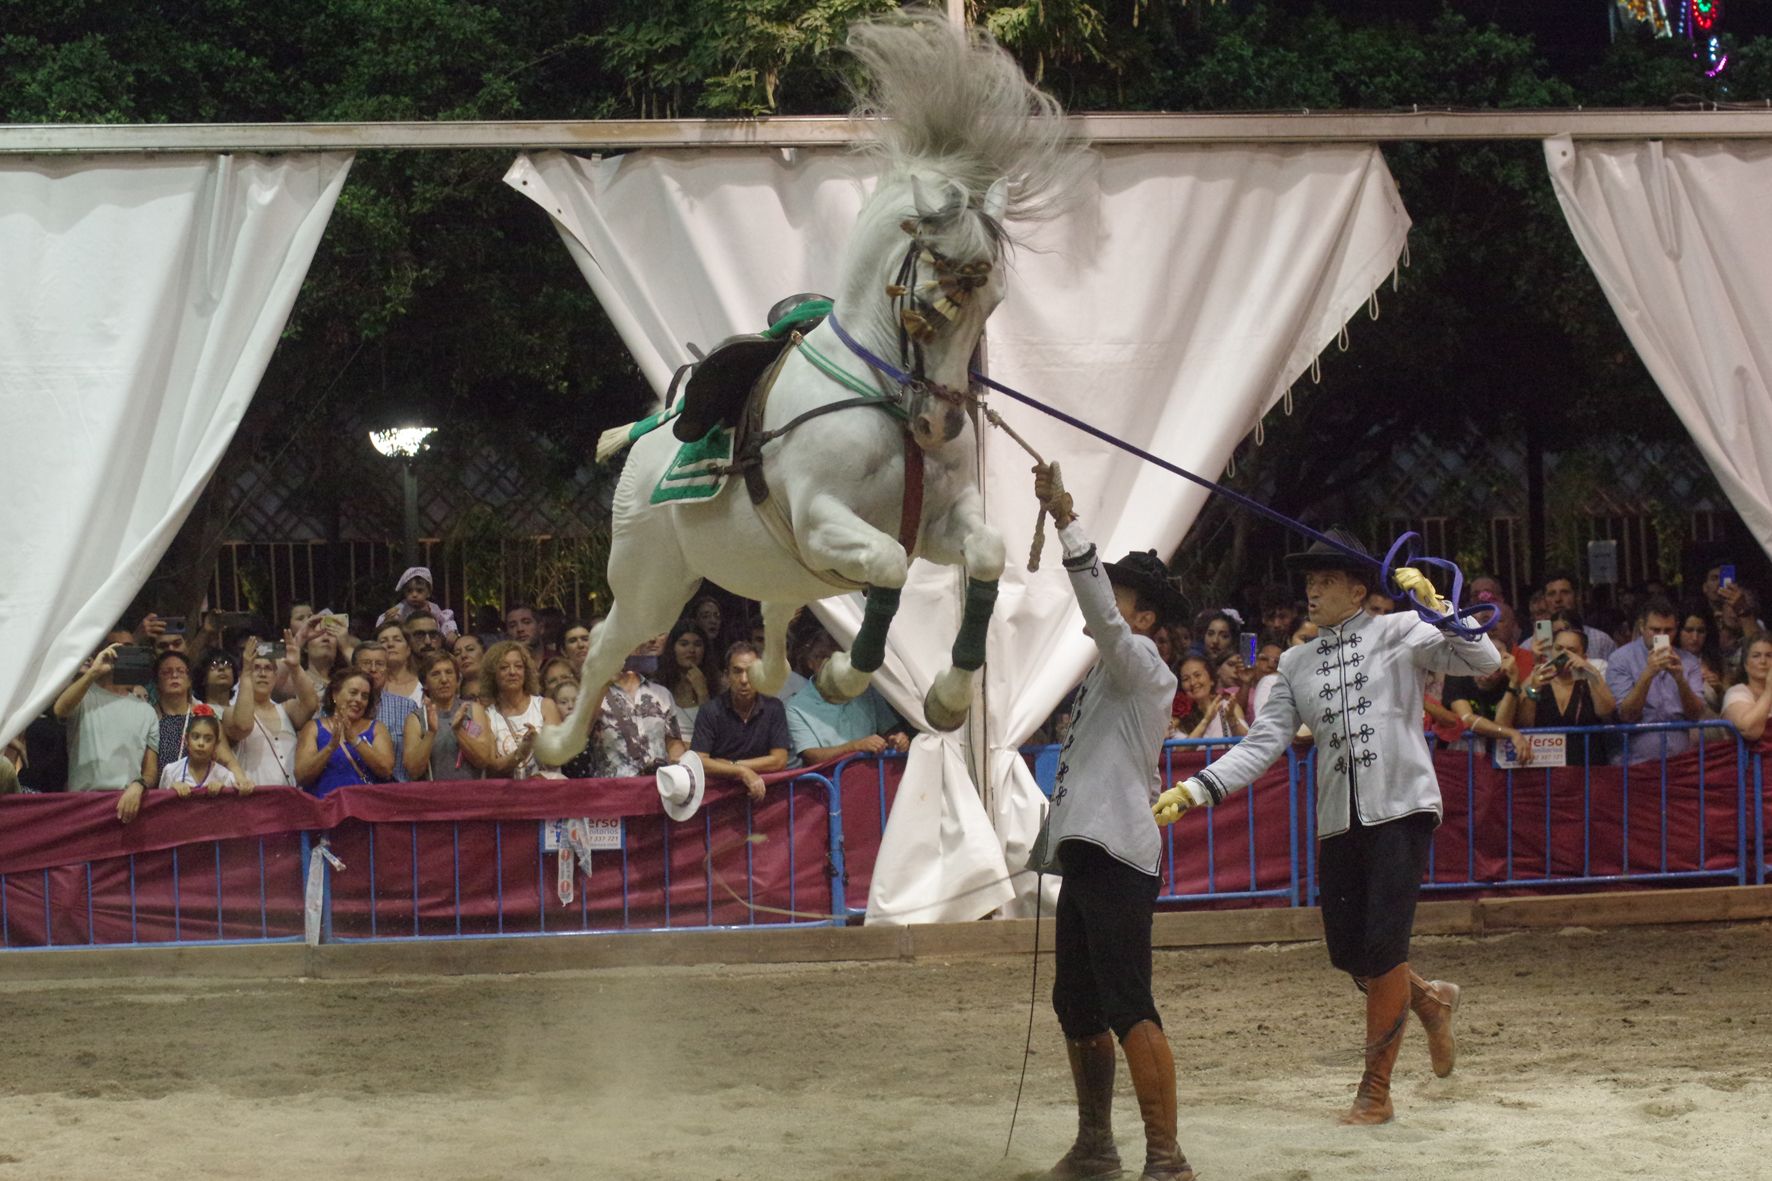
1632	1053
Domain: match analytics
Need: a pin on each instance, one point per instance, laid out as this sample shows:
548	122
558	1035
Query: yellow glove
1189	793
1408	579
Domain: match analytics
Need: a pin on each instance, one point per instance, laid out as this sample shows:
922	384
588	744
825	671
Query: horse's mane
952	100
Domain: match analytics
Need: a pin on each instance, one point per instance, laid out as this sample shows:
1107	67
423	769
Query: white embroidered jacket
1359	687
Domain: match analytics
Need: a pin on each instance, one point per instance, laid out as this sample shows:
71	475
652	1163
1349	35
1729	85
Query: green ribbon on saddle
812	309
699	470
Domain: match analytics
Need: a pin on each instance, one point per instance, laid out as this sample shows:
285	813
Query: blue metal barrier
236	917
1516	874
69	915
879	763
187	874
799	912
1761	870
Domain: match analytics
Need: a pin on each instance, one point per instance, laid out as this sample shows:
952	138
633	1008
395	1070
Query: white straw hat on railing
681	786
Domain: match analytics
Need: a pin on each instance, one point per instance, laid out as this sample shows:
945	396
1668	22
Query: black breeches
1369	879
1104	944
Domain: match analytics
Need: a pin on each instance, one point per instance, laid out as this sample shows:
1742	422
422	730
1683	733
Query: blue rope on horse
1468	622
897	375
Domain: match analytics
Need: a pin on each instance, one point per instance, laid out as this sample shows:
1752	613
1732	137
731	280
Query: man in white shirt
1108	848
1359	687
113	736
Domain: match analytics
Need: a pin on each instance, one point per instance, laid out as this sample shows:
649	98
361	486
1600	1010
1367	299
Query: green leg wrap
981	597
868	652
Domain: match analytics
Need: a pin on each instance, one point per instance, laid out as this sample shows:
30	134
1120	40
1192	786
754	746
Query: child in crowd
414	589
556	671
198	767
565	695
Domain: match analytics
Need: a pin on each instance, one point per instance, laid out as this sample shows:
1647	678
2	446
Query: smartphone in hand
134	665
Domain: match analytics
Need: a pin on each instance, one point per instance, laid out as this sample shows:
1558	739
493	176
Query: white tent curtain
142	299
1171	308
1676	234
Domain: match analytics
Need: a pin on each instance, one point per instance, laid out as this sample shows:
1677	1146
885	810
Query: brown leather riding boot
1434	1001
1093	1157
1153	1079
1387	1012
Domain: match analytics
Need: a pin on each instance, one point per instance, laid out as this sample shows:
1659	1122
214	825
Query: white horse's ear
996	199
919	201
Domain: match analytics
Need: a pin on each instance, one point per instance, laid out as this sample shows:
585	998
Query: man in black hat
1359	686
1108	846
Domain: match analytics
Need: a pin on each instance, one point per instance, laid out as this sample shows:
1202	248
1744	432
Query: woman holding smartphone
1697	637
1565	690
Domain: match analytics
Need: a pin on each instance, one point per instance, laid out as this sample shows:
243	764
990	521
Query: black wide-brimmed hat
1322	556
1146	573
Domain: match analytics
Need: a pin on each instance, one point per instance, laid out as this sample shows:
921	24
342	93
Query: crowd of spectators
225	707
1568	660
220	708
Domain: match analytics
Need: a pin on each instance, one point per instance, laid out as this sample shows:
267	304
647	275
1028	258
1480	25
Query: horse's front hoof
940	716
837	682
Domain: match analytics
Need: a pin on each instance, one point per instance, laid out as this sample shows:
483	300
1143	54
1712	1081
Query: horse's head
964	141
938	275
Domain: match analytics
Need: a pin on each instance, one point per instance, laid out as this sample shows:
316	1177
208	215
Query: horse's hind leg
651	584
776	618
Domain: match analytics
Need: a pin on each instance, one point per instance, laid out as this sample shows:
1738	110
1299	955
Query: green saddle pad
698	471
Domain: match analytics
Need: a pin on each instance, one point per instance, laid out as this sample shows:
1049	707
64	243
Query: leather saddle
715	388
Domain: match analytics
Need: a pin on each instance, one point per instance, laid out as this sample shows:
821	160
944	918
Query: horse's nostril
955	421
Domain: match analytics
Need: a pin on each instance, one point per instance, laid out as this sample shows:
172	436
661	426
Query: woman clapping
1201	710
1749	700
346	745
449	737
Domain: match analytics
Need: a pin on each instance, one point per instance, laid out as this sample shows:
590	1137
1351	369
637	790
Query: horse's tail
614	441
952	98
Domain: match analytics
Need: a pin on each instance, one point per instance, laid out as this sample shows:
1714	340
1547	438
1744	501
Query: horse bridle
922	309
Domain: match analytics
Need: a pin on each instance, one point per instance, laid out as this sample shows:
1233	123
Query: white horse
965	143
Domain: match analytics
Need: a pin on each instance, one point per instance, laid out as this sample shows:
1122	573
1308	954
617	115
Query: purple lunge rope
1463	621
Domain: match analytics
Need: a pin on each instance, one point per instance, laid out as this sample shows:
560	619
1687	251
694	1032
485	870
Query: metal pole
409	477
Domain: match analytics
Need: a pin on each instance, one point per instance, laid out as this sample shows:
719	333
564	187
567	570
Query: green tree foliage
437	288
716	57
